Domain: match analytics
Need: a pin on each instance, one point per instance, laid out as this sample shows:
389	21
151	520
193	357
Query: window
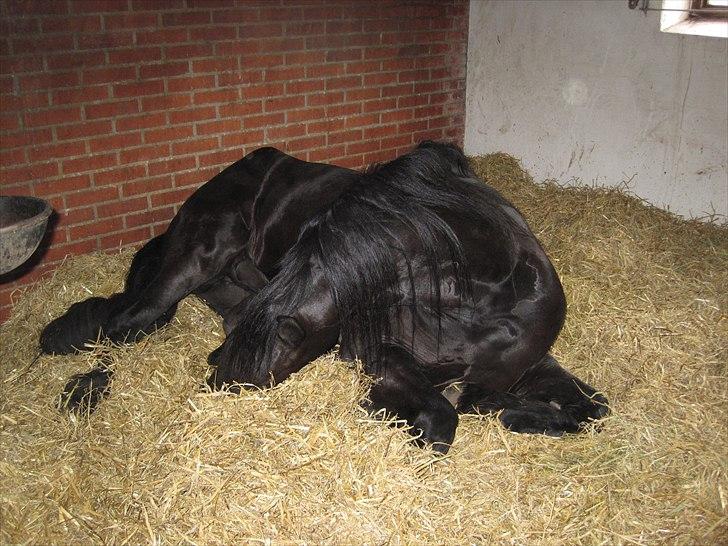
700	17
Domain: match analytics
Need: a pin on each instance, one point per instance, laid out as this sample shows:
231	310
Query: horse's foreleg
406	392
546	400
550	383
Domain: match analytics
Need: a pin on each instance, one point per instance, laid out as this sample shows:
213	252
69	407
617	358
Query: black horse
438	285
224	243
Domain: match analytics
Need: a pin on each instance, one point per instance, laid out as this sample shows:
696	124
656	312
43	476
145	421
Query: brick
92	6
263	91
12	157
222	158
91	197
162	36
192	146
81	95
138	89
66	149
171	165
108	75
124	238
24	102
323	99
199	176
149	217
260	30
147	186
49	43
168	197
285	103
216	127
70	217
363	147
356	95
9	122
130	20
135	55
80	24
166	102
140	122
343	109
39	171
89	163
304	115
305	86
25	138
105	40
167	134
286	131
345	136
111	109
115	142
284	74
116	176
145	153
18	64
362	120
246	109
241	139
219	34
193	114
187	18
222	64
307	143
73	249
48	81
52	117
161	70
237	47
93	229
216	96
325	126
188	51
190	83
117	208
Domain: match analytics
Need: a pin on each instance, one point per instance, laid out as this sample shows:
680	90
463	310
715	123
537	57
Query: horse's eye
289	331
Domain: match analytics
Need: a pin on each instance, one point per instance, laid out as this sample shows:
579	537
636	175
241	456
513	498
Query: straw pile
162	462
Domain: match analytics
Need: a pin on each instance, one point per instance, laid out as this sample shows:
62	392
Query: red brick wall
116	110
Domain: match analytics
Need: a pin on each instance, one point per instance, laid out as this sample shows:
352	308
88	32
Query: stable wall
592	91
116	110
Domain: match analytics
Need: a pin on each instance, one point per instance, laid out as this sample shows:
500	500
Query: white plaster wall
590	90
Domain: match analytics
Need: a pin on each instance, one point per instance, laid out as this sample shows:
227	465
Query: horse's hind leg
406	392
82	323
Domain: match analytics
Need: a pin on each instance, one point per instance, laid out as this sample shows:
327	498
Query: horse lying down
416	267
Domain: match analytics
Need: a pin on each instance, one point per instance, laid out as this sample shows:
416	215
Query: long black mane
360	245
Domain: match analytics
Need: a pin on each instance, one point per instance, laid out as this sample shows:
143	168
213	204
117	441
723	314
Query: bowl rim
33	221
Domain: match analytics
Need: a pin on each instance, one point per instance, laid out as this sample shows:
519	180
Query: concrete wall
591	90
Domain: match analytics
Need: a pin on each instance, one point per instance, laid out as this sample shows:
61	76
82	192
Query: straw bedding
163	462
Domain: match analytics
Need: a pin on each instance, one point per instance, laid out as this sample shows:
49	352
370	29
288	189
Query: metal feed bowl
23	222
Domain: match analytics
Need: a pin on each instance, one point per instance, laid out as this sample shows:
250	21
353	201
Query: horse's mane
359	244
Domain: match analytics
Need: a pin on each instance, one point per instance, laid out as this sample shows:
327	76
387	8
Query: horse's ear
289	331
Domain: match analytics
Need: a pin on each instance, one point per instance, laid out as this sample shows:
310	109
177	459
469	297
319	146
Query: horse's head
288	323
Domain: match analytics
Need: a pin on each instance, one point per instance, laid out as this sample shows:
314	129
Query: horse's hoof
549	423
588	409
84	391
